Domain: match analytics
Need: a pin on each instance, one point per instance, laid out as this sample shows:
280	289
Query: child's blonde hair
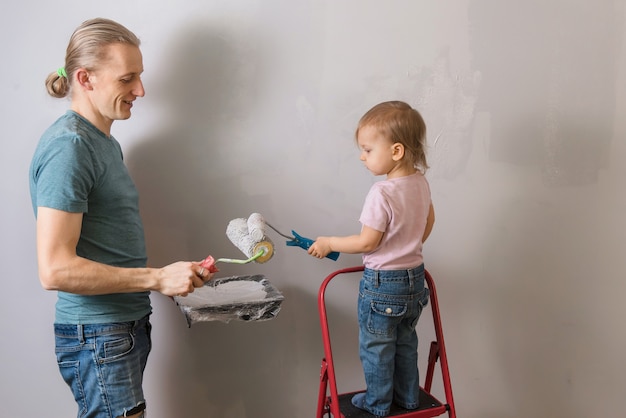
399	122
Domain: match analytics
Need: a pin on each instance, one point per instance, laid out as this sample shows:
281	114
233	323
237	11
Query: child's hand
320	248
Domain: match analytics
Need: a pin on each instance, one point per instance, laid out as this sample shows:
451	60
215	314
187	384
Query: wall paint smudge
544	114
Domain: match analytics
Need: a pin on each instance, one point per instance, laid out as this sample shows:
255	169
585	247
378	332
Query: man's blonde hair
86	49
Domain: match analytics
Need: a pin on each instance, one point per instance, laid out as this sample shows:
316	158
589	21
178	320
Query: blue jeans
390	303
103	365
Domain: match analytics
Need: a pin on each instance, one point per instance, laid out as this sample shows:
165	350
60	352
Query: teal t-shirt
77	168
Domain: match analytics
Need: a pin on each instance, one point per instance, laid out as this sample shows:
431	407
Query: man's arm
60	268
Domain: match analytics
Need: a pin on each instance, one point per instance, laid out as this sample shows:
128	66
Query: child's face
376	151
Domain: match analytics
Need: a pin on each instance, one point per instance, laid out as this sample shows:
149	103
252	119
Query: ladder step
427	403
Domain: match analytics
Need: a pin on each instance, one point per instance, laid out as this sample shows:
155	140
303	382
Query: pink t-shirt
399	208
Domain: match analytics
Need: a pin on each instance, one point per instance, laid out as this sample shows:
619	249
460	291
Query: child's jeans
390	303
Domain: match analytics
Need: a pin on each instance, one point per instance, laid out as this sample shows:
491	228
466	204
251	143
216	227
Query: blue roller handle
305	243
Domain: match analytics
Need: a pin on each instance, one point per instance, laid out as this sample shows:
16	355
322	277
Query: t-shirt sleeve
376	212
65	176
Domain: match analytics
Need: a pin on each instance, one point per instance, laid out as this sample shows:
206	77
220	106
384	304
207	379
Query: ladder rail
328	398
441	347
331	382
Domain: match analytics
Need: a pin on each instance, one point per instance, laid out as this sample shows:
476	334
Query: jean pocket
116	347
385	316
419	305
424	297
70	371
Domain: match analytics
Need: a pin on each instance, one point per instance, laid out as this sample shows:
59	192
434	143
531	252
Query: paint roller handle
209	264
305	243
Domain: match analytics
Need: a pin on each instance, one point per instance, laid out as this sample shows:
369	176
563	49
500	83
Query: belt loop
411	278
376	278
81	333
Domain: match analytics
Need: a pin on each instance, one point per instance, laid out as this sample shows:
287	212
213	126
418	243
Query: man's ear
83	80
397	151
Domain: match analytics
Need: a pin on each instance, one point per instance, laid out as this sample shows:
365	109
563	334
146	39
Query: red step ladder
340	405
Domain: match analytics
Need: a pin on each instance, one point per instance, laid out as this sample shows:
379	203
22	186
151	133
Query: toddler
396	219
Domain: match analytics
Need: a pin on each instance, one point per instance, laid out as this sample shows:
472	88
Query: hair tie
61	72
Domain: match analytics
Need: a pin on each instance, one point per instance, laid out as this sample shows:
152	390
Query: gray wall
251	107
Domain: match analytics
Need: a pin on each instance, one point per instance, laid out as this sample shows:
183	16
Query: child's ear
397	151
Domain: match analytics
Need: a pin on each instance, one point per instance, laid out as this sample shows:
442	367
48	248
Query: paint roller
249	236
256	231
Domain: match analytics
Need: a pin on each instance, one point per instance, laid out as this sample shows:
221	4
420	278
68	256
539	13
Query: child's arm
365	242
430	221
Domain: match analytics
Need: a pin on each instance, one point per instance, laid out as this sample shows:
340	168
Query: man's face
117	82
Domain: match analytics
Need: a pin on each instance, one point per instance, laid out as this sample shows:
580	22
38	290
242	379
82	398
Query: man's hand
181	278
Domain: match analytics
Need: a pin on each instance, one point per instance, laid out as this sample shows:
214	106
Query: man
90	238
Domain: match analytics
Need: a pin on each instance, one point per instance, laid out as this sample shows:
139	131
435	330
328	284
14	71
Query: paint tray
244	298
